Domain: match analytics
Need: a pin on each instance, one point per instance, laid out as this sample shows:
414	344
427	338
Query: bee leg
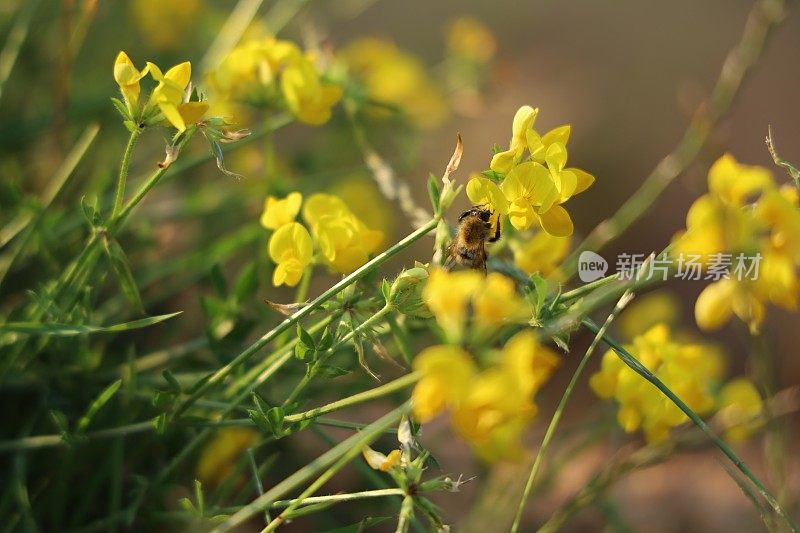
496	236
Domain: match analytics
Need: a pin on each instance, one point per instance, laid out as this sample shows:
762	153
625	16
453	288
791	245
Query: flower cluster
390	76
692	370
344	242
467	301
541	253
274	73
744	212
533	189
169	101
488	407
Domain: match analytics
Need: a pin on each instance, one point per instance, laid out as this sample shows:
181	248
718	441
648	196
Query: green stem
640	369
119	196
323	357
365	269
336	498
551	428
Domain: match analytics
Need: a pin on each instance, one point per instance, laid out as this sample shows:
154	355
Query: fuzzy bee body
468	247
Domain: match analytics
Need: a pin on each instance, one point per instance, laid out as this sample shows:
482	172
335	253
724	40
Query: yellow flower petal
713	307
483	191
279	212
556	221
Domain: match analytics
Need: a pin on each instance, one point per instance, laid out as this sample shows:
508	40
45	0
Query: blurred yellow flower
470	38
496	303
164	24
493	300
127	77
290	247
365	201
220	455
691	370
307	97
531	363
646	311
279	212
344	240
395	77
447	372
541	253
524	118
275	73
739	409
744	215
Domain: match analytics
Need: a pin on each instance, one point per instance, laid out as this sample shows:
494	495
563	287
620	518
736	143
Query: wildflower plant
367	341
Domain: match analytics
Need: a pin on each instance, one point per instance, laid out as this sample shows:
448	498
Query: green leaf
69	330
60	421
386	290
163	400
305	338
434	192
172	381
218	281
122	268
188	506
275	417
131	126
302	352
540	291
326	340
122	108
160	423
247	284
331	371
90	212
199	498
98	403
492	175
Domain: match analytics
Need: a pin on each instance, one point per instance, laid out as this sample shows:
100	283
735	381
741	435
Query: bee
468	247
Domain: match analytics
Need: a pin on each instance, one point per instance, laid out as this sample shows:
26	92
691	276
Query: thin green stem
640	369
551	428
336	498
119	195
362	271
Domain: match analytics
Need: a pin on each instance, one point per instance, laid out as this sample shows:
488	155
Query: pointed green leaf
122	268
68	330
98	404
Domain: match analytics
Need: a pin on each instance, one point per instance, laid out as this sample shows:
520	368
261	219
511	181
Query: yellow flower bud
127	77
278	213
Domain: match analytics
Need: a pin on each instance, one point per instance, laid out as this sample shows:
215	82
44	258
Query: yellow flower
534	198
365	201
470	38
307	97
740	407
169	95
447	295
447	373
541	253
164	24
344	240
278	213
484	192
290	247
127	77
691	370
646	311
275	73
220	455
539	145
379	461
735	183
493	414
392	76
524	118
744	215
496	303
531	363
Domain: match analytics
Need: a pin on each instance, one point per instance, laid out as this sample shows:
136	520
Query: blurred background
627	75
